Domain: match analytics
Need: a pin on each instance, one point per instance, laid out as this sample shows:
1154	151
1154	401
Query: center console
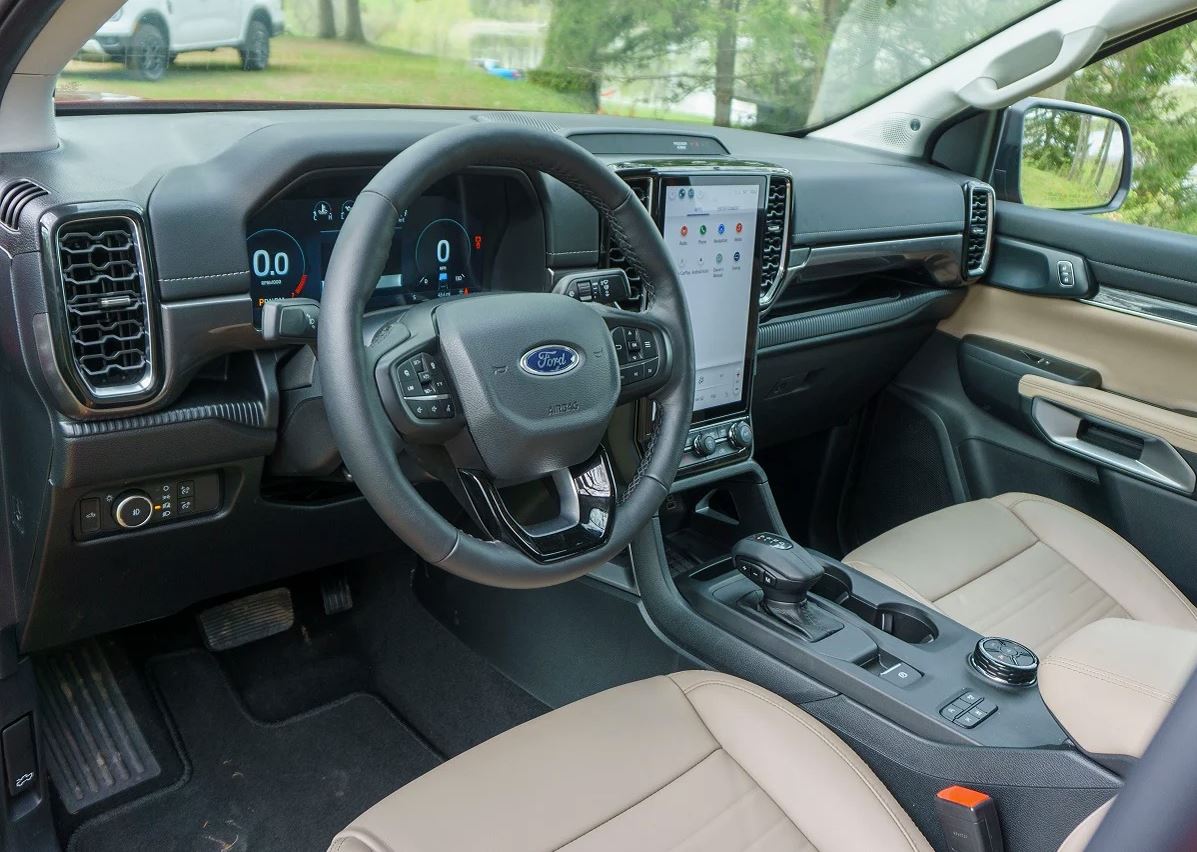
725	224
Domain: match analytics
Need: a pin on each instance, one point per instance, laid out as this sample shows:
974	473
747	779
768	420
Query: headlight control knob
739	435
133	509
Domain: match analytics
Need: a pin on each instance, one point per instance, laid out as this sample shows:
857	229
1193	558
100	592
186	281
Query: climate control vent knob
705	445
739	435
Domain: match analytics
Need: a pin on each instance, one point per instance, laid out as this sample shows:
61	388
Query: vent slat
979	200
14	198
104	292
773	240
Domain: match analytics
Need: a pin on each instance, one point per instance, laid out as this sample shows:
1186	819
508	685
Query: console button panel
146	504
718	443
968	709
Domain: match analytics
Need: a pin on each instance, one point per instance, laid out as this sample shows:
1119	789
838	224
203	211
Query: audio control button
133	509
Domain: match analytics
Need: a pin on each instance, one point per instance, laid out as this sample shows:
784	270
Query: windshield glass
778	65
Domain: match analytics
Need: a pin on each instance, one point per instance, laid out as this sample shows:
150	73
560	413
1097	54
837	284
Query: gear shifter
786	572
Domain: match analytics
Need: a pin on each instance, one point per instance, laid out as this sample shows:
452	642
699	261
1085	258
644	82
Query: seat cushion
694	761
1024	567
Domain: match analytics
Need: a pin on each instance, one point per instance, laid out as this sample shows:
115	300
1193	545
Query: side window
1153	86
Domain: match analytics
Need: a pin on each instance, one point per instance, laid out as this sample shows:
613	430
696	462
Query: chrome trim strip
881	255
1159	462
1146	307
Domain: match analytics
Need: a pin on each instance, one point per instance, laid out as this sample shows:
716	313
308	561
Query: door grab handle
1159	462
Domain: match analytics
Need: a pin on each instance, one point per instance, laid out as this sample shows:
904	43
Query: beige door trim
1155	362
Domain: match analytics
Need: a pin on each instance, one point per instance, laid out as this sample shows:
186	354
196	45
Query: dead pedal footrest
94	747
247	619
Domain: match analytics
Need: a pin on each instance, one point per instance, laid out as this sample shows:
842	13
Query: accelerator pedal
247	619
334	588
94	746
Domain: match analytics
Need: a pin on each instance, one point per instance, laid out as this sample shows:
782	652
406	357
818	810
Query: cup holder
899	620
905	623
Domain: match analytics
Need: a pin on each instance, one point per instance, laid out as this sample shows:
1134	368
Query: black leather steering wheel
501	388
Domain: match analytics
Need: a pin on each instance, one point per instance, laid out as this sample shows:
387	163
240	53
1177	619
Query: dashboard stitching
213	275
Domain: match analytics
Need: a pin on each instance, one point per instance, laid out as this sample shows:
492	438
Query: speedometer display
442	247
277	266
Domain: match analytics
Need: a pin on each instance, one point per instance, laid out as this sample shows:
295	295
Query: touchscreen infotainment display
711	231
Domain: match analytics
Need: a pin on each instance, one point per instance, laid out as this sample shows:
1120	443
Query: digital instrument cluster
443	244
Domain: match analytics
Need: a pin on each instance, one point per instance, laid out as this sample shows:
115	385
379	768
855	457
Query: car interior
387	477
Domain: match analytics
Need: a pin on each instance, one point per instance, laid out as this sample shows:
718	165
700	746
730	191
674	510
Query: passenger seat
1023	567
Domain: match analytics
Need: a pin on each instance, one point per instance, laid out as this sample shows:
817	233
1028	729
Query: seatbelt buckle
969	820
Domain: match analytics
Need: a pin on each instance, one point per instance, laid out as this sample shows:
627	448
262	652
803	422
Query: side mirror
1063	156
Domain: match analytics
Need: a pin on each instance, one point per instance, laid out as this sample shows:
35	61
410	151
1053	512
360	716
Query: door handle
1157	461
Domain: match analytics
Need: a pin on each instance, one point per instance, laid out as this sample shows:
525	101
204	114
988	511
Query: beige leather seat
694	762
1024	567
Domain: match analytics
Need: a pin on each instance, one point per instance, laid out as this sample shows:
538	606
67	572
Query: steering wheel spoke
585	496
643	348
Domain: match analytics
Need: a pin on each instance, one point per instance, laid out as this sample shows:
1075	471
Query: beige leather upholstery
1024	567
1083	833
1111	683
694	761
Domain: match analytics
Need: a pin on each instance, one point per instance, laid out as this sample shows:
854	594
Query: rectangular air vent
773	242
108	318
14	198
642	188
978	229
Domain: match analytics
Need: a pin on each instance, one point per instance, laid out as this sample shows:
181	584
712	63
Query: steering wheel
502	388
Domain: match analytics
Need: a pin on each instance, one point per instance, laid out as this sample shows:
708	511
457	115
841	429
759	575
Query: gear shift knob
783	569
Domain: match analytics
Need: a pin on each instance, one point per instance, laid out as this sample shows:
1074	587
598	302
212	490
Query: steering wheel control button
1005	661
133	509
607	287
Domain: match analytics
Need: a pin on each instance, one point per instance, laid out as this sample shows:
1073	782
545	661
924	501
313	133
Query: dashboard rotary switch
705	445
1005	661
133	509
739	435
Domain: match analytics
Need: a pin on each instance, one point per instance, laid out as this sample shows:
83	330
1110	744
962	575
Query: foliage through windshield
778	65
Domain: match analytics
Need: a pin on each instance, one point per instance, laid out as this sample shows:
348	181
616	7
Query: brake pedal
247	619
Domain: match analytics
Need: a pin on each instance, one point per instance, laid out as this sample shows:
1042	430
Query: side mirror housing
1063	156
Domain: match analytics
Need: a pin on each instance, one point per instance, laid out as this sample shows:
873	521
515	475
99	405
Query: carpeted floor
252	786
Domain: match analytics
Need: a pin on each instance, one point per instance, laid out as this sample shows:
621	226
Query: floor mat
254	787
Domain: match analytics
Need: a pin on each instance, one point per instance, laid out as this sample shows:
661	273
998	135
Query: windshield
777	65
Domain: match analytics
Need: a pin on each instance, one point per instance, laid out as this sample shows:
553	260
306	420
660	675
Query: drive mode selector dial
1005	661
133	509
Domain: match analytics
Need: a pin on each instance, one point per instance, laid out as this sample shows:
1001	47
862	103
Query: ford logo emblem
549	360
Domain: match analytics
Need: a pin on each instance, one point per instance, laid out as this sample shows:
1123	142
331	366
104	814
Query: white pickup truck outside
148	34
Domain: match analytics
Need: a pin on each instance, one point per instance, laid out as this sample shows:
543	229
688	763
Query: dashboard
444	245
221	432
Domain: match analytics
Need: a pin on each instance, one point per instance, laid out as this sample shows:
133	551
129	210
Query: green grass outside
1042	188
314	70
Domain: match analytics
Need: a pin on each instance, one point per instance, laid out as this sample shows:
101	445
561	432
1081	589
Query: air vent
14	198
642	188
978	229
773	242
104	293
